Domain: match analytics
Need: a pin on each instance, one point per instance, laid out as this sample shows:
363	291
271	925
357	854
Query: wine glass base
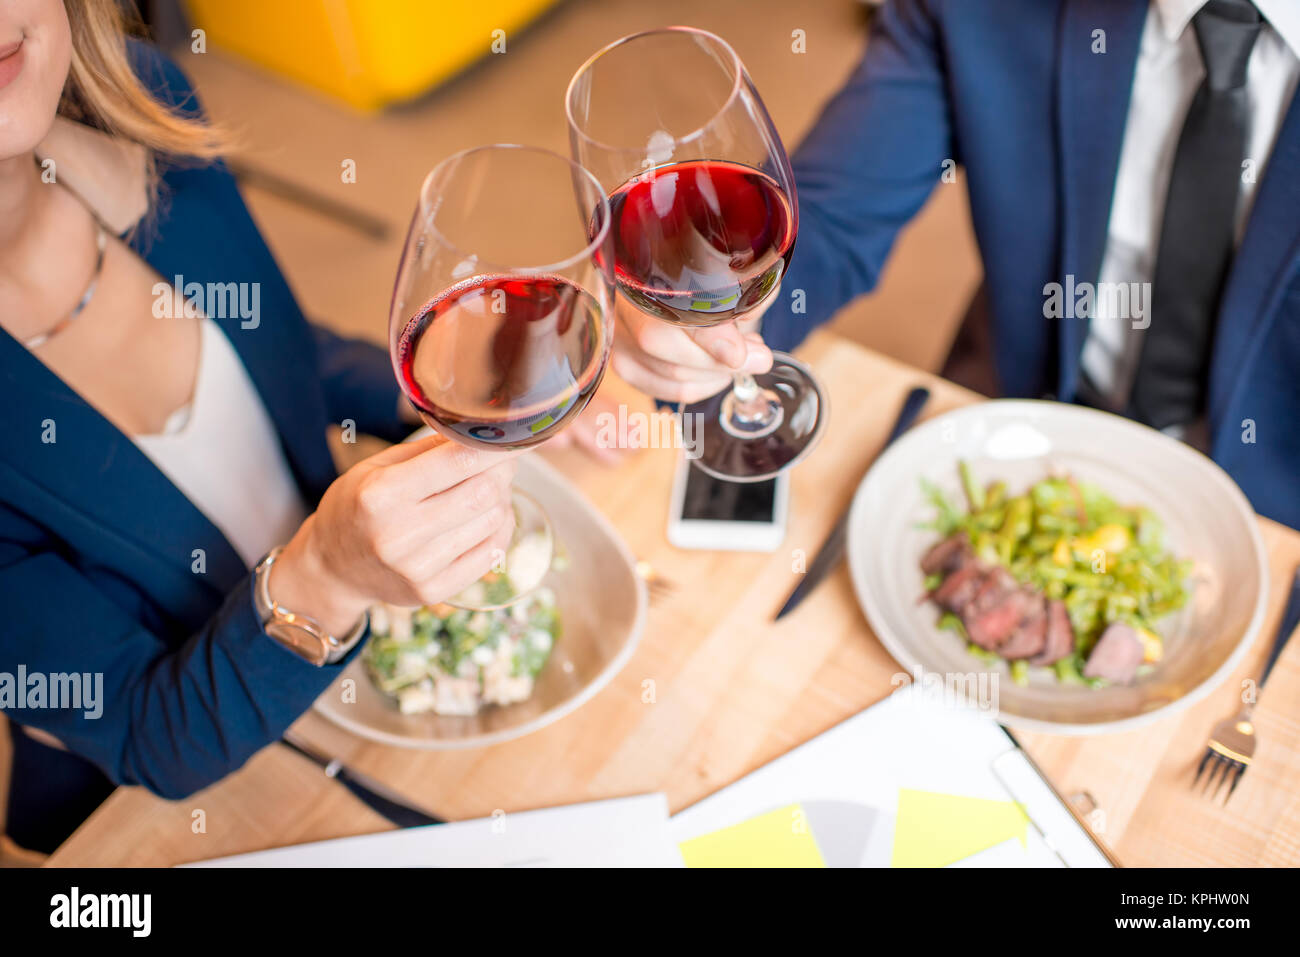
732	457
760	416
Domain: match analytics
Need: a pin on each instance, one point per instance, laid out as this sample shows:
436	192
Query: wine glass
704	218
500	323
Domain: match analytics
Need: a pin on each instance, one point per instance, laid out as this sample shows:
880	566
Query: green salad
1068	541
454	661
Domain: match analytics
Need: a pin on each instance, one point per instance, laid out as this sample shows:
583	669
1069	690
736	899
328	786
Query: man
1134	176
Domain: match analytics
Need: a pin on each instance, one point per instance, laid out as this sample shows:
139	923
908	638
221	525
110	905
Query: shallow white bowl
602	605
1206	519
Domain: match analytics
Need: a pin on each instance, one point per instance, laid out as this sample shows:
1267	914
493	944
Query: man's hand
683	364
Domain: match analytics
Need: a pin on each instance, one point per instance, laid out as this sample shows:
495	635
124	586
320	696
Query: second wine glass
704	219
499	328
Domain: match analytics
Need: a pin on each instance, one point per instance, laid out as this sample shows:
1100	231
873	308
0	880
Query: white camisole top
223	453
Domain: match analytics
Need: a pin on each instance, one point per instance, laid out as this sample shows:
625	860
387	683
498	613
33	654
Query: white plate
1206	518
602	606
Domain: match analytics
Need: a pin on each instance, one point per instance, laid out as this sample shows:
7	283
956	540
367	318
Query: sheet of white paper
1056	835
623	832
913	739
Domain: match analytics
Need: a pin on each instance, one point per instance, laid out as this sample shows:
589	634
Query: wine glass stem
747	396
744	388
750	411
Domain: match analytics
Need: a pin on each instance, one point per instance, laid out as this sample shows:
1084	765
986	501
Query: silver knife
832	550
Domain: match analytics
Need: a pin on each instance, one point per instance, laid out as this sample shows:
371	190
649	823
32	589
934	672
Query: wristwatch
299	633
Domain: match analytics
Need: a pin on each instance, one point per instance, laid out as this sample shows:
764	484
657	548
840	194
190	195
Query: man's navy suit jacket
1018	93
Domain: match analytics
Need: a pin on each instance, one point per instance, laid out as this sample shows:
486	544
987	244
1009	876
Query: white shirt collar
1282	15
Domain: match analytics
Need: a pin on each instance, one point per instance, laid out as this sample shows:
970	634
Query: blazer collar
1092	106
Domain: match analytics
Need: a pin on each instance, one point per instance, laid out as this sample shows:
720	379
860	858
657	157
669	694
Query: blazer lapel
111	503
1092	108
1264	266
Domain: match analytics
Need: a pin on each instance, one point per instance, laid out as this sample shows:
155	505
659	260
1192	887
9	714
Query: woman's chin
21	134
35	59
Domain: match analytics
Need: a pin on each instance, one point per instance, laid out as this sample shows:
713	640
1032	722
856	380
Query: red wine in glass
503	361
697	243
703	227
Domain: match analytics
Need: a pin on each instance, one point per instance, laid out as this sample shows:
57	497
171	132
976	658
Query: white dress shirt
1169	71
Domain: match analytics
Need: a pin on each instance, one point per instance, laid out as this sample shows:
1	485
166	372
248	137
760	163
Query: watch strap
299	633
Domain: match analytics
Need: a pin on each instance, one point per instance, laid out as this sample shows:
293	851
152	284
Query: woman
155	453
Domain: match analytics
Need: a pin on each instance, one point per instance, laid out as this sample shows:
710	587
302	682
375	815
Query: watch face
298	640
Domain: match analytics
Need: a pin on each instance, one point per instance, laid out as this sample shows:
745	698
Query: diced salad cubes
454	661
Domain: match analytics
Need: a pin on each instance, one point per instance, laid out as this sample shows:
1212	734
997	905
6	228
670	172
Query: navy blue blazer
1013	92
98	548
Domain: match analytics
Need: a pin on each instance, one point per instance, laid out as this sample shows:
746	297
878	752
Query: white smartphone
713	515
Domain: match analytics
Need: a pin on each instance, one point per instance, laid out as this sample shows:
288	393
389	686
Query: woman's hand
684	364
587	431
413	525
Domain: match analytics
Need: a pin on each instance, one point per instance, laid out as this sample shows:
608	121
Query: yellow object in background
935	830
368	53
778	838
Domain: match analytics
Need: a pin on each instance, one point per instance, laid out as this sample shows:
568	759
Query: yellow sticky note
780	838
935	830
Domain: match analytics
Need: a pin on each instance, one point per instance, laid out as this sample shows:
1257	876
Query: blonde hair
103	90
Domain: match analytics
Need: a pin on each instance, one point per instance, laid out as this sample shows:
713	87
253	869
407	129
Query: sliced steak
956	591
947	556
1116	656
1060	635
1030	635
996	586
991	626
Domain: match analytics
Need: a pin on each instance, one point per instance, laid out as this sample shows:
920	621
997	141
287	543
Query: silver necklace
101	243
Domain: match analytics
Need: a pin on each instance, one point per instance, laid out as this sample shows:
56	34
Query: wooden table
733	691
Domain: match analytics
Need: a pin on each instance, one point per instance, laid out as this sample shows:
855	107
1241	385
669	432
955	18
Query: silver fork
1232	742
